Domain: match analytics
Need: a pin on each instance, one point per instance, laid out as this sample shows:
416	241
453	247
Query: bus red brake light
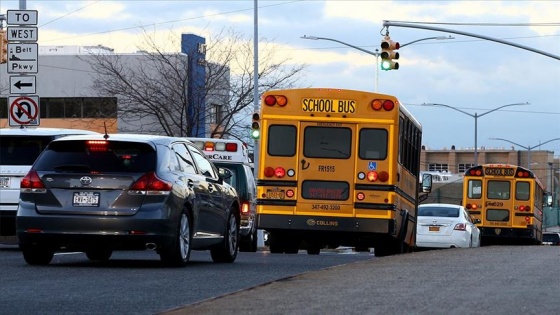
388	105
268	171
279	100
280	172
383	176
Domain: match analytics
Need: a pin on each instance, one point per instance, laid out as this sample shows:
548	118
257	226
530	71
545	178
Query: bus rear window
282	140
373	144
327	142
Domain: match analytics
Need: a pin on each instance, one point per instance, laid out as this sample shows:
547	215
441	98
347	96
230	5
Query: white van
19	147
234	155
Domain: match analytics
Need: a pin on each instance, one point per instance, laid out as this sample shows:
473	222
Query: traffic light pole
439	29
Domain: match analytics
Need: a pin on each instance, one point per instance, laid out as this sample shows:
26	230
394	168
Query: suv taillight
31	183
245	208
150	184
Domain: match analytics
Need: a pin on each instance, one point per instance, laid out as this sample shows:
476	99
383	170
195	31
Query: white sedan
445	226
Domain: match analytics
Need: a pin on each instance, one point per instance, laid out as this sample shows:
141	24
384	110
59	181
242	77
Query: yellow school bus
337	168
507	201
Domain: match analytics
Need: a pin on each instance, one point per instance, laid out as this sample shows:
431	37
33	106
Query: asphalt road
487	280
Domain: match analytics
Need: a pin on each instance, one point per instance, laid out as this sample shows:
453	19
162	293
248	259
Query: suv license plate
4	182
86	199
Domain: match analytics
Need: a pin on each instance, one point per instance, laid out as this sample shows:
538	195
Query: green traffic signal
255	133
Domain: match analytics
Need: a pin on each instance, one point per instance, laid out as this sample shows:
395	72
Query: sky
471	74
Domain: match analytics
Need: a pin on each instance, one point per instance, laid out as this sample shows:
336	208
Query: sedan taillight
150	184
460	227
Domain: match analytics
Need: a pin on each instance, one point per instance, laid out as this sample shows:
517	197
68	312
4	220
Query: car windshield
98	156
438	212
21	150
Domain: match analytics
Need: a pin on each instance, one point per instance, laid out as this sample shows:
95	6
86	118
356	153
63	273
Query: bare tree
152	87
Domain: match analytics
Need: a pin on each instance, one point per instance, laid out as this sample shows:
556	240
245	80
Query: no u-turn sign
23	110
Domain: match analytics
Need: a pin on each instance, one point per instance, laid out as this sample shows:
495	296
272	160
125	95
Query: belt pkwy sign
23	110
22	58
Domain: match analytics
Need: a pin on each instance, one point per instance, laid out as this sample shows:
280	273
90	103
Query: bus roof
223	150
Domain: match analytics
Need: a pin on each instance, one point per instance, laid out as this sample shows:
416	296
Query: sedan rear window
98	156
438	212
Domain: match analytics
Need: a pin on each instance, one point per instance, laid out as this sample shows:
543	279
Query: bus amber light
281	100
376	105
372	176
360	196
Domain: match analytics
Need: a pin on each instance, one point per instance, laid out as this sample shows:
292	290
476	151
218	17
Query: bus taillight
471	206
268	171
524	208
383	176
280	172
387	105
372	176
279	100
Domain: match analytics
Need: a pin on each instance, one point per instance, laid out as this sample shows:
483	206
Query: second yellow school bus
508	202
337	168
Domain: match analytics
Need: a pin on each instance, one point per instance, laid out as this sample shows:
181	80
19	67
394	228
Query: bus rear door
326	169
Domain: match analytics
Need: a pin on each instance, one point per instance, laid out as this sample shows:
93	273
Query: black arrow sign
20	84
20	113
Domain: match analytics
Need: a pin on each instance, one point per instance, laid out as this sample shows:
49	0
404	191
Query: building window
436	167
78	107
463	167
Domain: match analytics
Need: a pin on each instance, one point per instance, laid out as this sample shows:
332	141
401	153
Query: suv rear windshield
111	156
22	150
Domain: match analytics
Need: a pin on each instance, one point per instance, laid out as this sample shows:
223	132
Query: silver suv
101	193
19	147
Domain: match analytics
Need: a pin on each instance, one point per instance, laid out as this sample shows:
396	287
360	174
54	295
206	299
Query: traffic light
256	126
389	56
3	47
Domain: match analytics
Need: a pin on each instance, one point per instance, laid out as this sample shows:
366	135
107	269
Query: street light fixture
376	53
475	116
528	148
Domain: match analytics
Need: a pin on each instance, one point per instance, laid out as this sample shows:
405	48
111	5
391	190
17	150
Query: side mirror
476	221
224	173
426	183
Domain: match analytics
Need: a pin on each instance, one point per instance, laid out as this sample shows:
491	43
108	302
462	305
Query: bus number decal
494	204
325	207
499	171
326	168
320	105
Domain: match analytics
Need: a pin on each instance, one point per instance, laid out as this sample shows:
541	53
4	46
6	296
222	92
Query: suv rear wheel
37	255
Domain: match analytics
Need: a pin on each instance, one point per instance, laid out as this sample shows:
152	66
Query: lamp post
376	53
475	116
528	148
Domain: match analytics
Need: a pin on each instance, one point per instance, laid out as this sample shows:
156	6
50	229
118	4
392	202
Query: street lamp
475	116
376	53
528	148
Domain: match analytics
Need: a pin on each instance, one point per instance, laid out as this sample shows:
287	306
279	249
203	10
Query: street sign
22	33
22	58
24	84
23	110
22	17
